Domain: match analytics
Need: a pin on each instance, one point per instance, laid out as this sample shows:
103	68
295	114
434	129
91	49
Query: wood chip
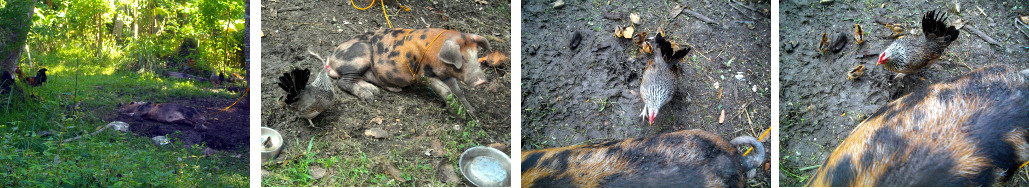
982	35
721	118
700	16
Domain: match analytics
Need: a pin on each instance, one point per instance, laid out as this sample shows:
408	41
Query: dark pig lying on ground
688	158
165	112
395	58
968	131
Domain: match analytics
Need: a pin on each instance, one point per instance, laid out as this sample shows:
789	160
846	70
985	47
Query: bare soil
819	106
227	130
590	94
415	116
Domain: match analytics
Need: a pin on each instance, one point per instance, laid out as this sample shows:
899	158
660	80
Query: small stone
376	133
437	148
119	126
446	173
161	140
316	172
558	4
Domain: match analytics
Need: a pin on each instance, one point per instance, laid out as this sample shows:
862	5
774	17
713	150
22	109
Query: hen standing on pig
395	58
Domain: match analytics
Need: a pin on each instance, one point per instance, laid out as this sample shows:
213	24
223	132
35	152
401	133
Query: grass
356	167
78	95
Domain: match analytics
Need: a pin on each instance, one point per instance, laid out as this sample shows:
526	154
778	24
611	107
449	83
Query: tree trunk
15	23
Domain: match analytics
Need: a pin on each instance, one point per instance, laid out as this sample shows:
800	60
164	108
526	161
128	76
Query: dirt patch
819	106
415	116
227	130
590	94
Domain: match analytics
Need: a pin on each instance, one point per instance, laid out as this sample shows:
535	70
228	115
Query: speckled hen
659	77
912	54
308	101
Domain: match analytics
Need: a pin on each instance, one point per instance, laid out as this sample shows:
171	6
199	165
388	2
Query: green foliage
32	130
456	107
81	94
144	35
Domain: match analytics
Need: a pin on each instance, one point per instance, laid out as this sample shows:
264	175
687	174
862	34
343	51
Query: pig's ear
480	41
450	53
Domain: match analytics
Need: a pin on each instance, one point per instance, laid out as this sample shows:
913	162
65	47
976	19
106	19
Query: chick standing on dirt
912	54
659	77
309	101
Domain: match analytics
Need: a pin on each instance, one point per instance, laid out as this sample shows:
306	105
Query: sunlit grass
77	97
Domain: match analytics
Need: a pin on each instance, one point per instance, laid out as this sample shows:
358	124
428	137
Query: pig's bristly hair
293	82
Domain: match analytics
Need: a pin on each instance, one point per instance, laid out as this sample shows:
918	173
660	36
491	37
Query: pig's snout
479	83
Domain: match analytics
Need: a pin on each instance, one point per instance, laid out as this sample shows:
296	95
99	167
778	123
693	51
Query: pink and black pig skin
395	58
968	131
688	158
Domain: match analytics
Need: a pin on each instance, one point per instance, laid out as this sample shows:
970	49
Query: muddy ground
819	106
415	116
590	94
227	130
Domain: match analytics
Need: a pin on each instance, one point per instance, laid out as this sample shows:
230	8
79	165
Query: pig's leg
352	66
450	87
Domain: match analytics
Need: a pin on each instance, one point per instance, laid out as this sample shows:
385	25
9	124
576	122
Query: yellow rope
759	139
1023	165
422	57
370	6
365	8
247	91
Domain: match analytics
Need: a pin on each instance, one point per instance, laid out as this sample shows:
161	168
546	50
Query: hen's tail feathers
666	50
40	76
757	157
293	82
934	25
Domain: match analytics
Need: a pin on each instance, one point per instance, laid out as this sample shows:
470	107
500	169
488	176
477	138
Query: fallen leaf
635	18
721	118
628	32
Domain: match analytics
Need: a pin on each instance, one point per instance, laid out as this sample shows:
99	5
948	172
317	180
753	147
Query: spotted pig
395	58
968	131
688	158
165	112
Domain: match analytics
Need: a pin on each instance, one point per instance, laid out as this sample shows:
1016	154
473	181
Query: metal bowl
486	167
271	144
